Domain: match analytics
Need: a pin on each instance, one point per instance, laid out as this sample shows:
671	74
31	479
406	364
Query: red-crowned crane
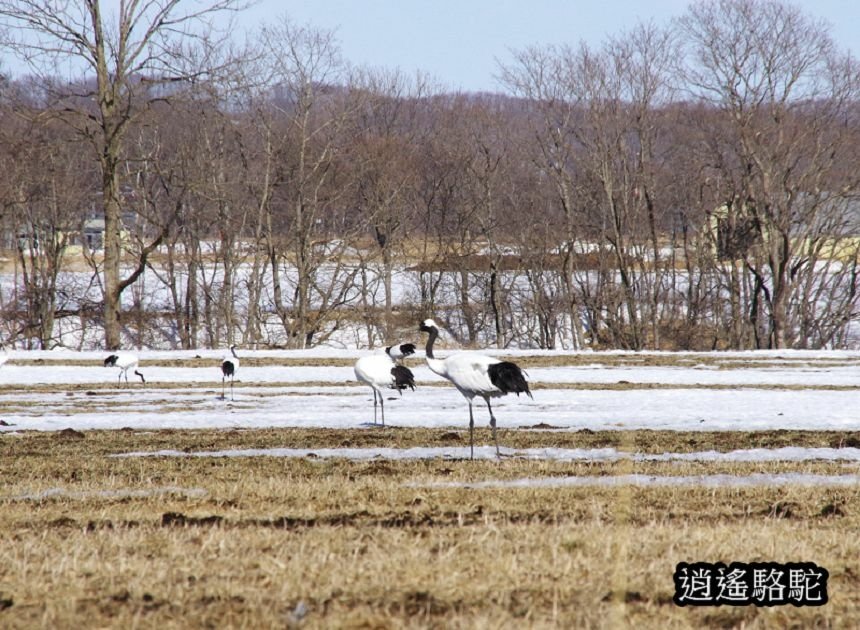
125	361
473	375
381	371
229	367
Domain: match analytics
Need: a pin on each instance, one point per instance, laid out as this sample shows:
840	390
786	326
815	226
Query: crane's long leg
493	425
374	404
382	407
471	433
223	387
232	399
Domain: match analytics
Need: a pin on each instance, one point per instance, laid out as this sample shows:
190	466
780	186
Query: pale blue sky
458	41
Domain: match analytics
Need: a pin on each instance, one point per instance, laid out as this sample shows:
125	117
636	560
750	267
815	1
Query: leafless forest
683	186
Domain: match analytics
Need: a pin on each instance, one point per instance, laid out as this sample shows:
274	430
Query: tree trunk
112	255
387	271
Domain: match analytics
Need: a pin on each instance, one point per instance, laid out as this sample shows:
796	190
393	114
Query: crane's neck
431	339
436	365
233	350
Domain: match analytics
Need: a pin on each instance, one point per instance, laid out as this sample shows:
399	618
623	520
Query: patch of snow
790	454
706	481
121	493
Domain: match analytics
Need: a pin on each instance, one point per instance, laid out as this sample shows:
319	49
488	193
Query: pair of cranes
473	374
127	361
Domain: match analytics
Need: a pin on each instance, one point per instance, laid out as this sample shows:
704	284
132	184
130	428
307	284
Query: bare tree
304	197
785	91
539	76
385	137
176	186
44	198
623	87
142	53
600	121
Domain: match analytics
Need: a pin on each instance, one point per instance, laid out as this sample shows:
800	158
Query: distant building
833	223
94	233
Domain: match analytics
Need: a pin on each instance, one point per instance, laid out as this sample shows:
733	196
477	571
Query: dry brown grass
376	544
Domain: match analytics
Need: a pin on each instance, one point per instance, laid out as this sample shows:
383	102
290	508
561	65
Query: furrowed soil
96	540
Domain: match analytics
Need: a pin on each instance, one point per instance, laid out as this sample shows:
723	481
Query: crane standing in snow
382	371
473	375
229	367
125	361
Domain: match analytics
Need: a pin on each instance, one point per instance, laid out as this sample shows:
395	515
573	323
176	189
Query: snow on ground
608	454
703	375
804	368
691	358
351	406
818	376
113	493
786	454
709	392
823	394
708	481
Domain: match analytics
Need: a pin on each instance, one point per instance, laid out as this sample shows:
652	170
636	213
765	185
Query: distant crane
4	355
125	361
229	367
381	371
473	375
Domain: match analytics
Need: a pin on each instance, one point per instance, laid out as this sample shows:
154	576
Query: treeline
684	187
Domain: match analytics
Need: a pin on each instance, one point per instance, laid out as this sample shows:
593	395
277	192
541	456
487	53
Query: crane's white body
467	371
125	361
229	367
378	371
475	374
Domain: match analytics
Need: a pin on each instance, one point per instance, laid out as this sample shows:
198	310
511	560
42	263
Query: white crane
381	371
4	355
473	375
125	361
229	367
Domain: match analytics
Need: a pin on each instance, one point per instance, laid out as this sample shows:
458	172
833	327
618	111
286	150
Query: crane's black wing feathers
401	351
509	378
403	377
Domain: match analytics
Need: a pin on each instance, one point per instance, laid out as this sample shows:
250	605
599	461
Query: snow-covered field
706	391
240	522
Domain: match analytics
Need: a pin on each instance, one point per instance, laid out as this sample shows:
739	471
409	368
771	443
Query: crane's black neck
233	350
434	332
